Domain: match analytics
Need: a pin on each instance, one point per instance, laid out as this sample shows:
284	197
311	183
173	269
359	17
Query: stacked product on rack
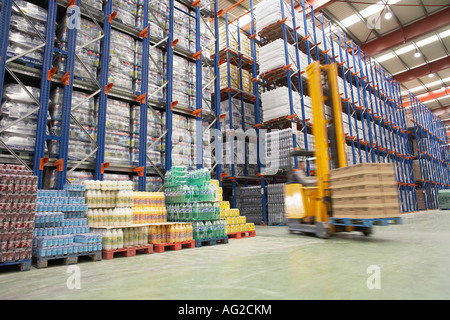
181	26
278	148
153	183
61	226
182	78
155	142
182	142
273	57
16	103
234	76
235	117
234	221
269	12
235	156
276	103
275	204
157	72
117	132
250	203
126	12
206	143
191	196
76	177
157	16
80	143
18	188
122	69
88	49
23	37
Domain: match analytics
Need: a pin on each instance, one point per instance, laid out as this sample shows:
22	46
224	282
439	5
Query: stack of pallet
364	191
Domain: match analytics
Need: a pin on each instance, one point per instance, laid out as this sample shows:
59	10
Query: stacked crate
364	191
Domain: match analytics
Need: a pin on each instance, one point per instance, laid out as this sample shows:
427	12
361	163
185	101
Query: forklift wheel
367	231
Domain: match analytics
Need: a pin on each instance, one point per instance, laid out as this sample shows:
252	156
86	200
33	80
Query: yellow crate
250	226
234	212
215	183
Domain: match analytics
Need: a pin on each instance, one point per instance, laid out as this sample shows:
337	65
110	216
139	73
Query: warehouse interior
224	149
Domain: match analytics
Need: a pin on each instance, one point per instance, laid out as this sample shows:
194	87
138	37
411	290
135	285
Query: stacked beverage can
275	204
250	203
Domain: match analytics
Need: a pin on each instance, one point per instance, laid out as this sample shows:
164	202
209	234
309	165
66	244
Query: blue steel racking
102	88
372	103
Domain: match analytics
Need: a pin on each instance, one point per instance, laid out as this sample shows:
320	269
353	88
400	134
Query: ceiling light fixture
431	75
417	54
388	14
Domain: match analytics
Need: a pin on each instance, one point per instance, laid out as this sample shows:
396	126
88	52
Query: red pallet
127	252
242	234
161	247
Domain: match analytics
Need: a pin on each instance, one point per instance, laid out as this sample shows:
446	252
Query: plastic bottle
201	230
107	240
195	230
209	230
114	239
125	237
135	237
189	232
141	236
171	234
145	237
89	216
119	239
95	218
194	211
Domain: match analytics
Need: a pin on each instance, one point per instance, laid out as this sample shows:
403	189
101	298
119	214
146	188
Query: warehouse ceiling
413	44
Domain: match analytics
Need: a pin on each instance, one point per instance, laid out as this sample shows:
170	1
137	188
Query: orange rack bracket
42	163
65	80
51	73
140	171
59	164
103	167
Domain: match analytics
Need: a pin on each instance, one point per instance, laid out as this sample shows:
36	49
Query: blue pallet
367	223
210	242
25	265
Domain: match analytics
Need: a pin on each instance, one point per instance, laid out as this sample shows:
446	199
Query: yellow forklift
308	199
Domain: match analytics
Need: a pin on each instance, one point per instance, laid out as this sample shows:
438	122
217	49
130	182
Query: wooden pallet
24	265
368	223
127	252
161	247
66	259
242	234
211	242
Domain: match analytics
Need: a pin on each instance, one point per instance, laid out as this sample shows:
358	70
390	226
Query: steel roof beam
410	32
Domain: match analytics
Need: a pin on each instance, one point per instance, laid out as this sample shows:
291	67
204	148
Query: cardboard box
345	213
392	211
371	212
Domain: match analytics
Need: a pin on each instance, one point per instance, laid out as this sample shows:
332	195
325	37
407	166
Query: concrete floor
413	259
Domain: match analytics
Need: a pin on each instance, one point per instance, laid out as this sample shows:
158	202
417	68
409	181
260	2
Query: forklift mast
328	134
